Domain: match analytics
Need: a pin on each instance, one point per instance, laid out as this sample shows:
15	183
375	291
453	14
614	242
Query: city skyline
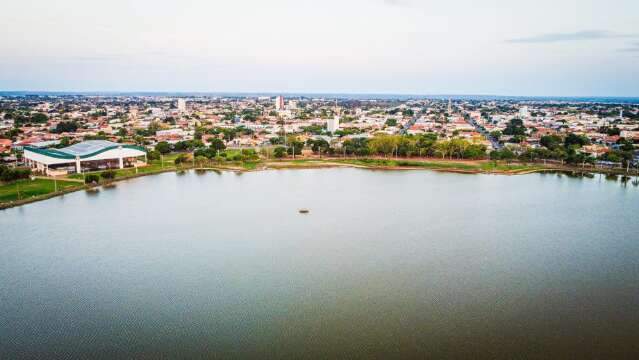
380	47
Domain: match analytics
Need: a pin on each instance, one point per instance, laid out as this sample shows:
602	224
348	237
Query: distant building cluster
40	122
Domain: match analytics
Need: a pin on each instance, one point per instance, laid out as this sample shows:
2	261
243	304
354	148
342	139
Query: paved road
493	141
408	125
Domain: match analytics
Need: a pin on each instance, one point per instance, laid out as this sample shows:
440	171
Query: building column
78	167
120	157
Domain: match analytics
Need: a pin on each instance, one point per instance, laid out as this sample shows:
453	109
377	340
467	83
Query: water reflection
407	264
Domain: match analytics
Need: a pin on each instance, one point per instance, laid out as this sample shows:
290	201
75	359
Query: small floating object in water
304	211
93	190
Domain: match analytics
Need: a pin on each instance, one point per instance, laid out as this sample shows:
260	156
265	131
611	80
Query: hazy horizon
406	47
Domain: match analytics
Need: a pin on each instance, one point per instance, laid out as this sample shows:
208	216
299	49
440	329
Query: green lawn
409	163
31	188
479	166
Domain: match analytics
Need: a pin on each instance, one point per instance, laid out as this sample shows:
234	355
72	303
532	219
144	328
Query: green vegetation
8	174
279	152
515	127
490	166
91	179
418	145
166	163
27	188
65	126
108	175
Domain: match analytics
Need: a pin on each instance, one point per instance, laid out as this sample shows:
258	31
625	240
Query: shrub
12	174
108	174
250	154
153	155
238	157
182	158
279	152
91	179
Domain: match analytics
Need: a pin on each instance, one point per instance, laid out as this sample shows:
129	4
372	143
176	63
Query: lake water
386	265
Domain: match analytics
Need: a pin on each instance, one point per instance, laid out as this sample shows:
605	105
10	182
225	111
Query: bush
182	158
12	174
91	179
237	157
108	174
250	154
279	152
153	155
163	147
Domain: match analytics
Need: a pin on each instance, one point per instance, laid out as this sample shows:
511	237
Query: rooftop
82	150
88	147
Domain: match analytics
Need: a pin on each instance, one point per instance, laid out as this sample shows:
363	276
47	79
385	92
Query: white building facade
93	154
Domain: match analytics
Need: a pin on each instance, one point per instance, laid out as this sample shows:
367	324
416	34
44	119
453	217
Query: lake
387	264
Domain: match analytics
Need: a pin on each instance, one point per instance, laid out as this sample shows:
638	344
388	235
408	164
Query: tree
65	126
504	154
574	139
217	144
426	144
357	146
279	152
626	145
163	147
518	139
391	122
383	144
182	158
318	146
551	142
12	174
443	148
39	118
153	155
474	151
108	174
406	146
515	127
295	147
64	142
91	179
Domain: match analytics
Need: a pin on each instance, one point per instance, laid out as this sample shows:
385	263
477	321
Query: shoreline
363	163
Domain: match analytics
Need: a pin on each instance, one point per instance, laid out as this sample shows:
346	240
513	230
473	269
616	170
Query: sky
430	47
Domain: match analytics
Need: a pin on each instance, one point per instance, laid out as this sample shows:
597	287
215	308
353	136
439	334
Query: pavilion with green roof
88	155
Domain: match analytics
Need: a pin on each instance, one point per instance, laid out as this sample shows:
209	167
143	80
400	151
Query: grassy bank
469	166
23	191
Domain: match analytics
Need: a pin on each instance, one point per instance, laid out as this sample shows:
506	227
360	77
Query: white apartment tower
523	112
181	105
279	103
332	124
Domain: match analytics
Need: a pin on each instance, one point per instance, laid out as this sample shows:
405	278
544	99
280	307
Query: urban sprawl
36	129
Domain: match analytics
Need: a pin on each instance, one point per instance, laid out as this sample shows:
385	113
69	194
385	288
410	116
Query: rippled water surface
387	264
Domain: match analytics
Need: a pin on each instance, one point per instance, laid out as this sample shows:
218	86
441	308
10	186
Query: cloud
575	36
397	2
632	48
